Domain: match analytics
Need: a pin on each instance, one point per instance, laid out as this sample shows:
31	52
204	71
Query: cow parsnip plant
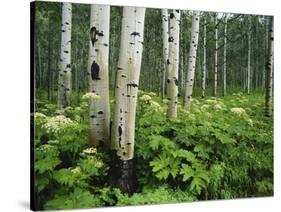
219	149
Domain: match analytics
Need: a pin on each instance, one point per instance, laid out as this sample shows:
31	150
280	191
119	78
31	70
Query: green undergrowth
221	148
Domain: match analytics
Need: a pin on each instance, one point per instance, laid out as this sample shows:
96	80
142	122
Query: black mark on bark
95	69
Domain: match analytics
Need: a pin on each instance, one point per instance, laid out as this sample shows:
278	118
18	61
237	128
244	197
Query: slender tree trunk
181	73
269	70
39	69
192	60
165	34
126	93
173	64
98	75
224	56
216	58
249	59
64	78
203	86
50	72
265	51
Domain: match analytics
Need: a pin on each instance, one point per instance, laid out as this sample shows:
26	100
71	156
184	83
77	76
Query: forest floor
221	148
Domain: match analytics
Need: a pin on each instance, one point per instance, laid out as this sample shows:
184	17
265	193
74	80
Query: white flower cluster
155	106
238	111
250	122
237	94
39	115
57	123
166	101
90	96
152	94
39	118
46	148
145	98
90	150
140	91
214	103
75	170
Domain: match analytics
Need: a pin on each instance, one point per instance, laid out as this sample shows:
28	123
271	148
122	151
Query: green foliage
210	152
46	158
79	198
221	148
153	196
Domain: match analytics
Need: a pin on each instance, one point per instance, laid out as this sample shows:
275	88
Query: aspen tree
126	93
224	55
173	64
64	78
98	75
204	59
216	57
249	59
269	69
192	60
165	34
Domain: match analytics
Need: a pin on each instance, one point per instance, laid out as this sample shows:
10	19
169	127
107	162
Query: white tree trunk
249	59
216	57
98	75
64	78
192	60
224	56
269	69
204	59
165	34
126	90
173	64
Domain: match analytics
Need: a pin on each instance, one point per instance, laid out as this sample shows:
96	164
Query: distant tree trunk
50	72
224	56
265	51
173	64
126	93
203	86
249	59
39	69
165	34
269	70
216	58
64	78
98	75
192	60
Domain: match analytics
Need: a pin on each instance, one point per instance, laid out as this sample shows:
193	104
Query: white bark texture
204	59
64	78
173	64
224	56
192	60
165	34
269	69
98	75
216	58
127	81
249	59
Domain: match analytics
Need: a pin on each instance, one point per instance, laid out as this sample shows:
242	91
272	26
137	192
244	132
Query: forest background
15	108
